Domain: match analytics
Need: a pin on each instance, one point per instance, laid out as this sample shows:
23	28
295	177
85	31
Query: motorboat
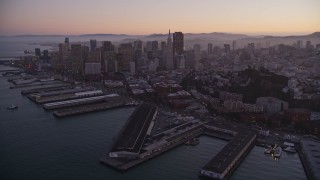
290	149
268	150
12	106
277	152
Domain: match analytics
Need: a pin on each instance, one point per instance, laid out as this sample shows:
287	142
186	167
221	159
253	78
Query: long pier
240	144
88	108
45	89
227	160
77	102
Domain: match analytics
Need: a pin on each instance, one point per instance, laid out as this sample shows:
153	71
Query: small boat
268	150
12	106
290	149
277	152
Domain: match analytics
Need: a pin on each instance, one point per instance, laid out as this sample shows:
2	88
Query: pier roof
134	133
224	158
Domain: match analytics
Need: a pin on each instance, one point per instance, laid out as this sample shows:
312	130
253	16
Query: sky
140	17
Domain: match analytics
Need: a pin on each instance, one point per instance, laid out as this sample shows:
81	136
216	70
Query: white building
271	104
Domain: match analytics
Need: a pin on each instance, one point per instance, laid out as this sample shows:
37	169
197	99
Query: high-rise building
85	54
178	42
37	52
234	45
107	46
64	59
227	48
308	45
154	45
55	59
169	53
66	40
45	56
77	64
126	50
210	48
299	43
108	60
251	48
197	53
163	45
94	56
137	45
93	44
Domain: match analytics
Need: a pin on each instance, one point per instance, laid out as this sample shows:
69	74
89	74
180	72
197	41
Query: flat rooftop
134	133
223	159
311	149
79	100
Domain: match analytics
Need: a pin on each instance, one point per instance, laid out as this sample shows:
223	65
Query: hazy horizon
164	33
141	17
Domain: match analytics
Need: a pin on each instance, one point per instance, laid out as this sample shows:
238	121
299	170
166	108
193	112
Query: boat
268	150
277	152
290	149
12	106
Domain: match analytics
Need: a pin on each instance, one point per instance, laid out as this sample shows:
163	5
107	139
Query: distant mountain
315	34
190	38
104	35
312	35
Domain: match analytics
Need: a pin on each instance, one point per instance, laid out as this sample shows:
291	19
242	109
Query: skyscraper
64	61
66	40
126	50
93	44
210	48
107	46
227	48
137	45
169	53
37	52
234	45
77	64
178	42
154	45
197	54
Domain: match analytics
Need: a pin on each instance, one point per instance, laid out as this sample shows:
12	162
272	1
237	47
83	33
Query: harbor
65	98
135	145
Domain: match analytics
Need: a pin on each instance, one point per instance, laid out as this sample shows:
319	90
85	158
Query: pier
39	98
39	84
122	157
308	150
81	101
88	108
45	89
227	160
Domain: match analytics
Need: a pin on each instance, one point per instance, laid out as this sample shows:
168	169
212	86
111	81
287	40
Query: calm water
34	144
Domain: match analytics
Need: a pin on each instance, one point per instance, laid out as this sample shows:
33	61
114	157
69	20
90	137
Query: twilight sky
274	17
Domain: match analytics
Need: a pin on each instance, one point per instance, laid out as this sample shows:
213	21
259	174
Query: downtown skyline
143	17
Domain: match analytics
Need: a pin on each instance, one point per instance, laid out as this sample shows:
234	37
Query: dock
80	101
88	108
40	99
308	150
45	89
227	160
40	84
124	156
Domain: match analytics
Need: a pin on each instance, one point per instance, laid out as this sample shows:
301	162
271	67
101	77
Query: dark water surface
35	144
